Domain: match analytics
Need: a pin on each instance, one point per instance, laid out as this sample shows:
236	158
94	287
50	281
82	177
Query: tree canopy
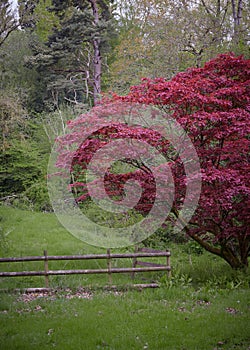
161	38
212	105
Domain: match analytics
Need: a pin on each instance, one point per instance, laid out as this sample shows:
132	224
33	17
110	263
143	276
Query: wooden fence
108	257
150	264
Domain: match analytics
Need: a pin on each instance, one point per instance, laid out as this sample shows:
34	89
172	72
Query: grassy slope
191	311
29	233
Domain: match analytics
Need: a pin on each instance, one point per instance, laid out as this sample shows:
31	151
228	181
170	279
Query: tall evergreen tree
71	60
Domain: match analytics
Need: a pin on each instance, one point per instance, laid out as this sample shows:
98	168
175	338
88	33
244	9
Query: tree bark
223	250
97	62
237	15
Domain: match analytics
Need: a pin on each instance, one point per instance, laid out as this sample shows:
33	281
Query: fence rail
108	257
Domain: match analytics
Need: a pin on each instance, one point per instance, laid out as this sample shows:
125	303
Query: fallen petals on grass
53	295
203	302
232	310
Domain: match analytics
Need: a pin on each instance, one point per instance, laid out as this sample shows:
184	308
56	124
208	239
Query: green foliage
37	195
192	247
162	38
164	236
104	218
45	20
15	76
26	143
12	118
21	158
23	169
64	55
54	123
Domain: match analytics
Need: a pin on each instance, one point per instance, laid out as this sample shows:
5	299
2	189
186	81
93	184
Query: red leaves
213	105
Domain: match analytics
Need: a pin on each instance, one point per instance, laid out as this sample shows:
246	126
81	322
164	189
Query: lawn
204	305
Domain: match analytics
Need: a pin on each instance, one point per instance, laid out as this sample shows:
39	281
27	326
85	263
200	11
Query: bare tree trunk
97	63
237	16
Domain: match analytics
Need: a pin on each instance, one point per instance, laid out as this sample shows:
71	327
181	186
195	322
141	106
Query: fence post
109	266
46	268
134	262
168	264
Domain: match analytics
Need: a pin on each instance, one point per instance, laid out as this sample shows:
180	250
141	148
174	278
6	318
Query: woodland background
57	59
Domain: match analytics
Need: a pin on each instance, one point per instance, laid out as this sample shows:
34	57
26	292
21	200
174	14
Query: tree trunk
97	57
224	251
237	15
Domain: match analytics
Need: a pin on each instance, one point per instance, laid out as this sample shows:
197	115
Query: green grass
204	305
150	319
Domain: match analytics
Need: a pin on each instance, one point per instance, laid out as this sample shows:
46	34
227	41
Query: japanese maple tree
212	105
